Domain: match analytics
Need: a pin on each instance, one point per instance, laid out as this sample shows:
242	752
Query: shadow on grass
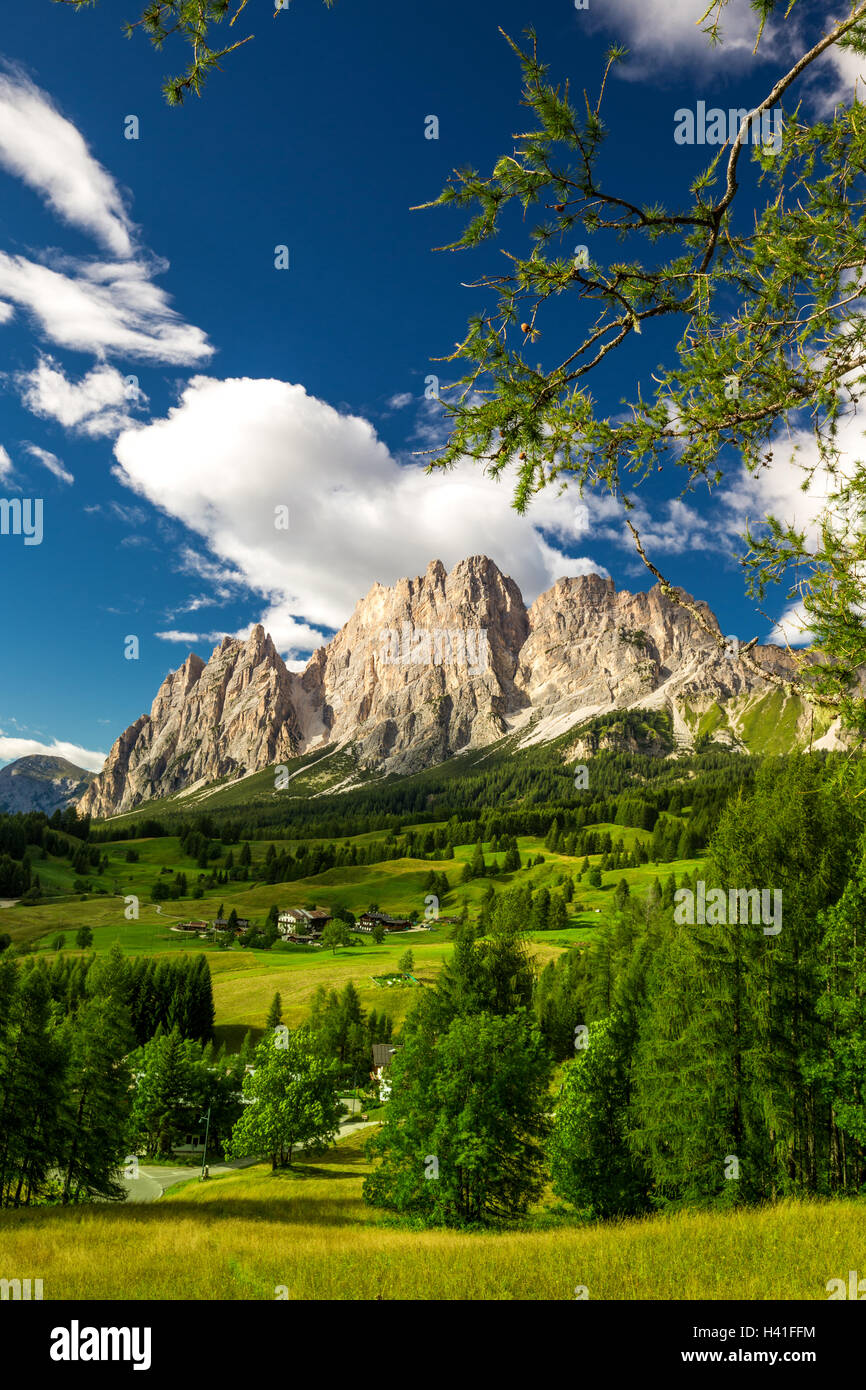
297	1210
316	1210
233	1034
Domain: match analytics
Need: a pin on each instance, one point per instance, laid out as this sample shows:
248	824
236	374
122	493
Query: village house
382	1054
369	920
221	924
301	923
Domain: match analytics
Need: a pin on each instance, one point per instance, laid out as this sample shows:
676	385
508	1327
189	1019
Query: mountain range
41	783
430	667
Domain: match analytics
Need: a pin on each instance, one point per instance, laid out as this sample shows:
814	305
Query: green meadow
246	980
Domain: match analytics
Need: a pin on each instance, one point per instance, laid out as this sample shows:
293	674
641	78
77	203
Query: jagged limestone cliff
431	666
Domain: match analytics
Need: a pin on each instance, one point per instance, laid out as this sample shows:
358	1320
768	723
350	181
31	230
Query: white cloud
287	633
401	400
850	75
97	405
102	308
669	27
130	516
45	151
5	464
49	461
797	487
220	575
792	628
12	748
188	638
356	516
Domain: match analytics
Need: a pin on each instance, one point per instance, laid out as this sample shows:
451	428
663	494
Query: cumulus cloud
5	464
12	748
49	461
42	148
355	514
797	488
850	75
97	405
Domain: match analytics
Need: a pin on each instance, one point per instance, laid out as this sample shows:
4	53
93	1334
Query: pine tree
840	1066
97	1087
275	1013
557	917
160	1109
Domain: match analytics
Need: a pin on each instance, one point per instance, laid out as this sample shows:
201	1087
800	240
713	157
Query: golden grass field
248	1235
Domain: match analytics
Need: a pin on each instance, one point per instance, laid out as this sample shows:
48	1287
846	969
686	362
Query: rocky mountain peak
423	669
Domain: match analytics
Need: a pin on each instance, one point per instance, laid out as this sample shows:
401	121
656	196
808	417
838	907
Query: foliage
290	1100
194	21
772	335
461	1140
591	1165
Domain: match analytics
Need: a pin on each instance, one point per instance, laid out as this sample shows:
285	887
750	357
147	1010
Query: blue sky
165	387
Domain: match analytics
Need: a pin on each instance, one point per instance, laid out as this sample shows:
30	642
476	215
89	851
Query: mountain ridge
431	666
41	782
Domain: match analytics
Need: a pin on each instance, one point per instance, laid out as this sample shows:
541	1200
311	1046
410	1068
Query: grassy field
245	981
248	1235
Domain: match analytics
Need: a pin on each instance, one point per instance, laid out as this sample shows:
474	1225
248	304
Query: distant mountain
430	667
40	783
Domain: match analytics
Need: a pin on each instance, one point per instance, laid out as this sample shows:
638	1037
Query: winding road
155	1179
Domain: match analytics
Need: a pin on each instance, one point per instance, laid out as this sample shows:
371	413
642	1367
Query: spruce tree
275	1013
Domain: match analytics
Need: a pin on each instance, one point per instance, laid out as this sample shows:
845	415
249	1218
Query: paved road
154	1179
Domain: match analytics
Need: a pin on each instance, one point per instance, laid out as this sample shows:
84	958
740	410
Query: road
154	1179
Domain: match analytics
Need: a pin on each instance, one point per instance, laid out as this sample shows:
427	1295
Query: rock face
424	670
228	717
592	649
41	783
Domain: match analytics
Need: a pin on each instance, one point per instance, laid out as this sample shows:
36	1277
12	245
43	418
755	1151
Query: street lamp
206	1133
